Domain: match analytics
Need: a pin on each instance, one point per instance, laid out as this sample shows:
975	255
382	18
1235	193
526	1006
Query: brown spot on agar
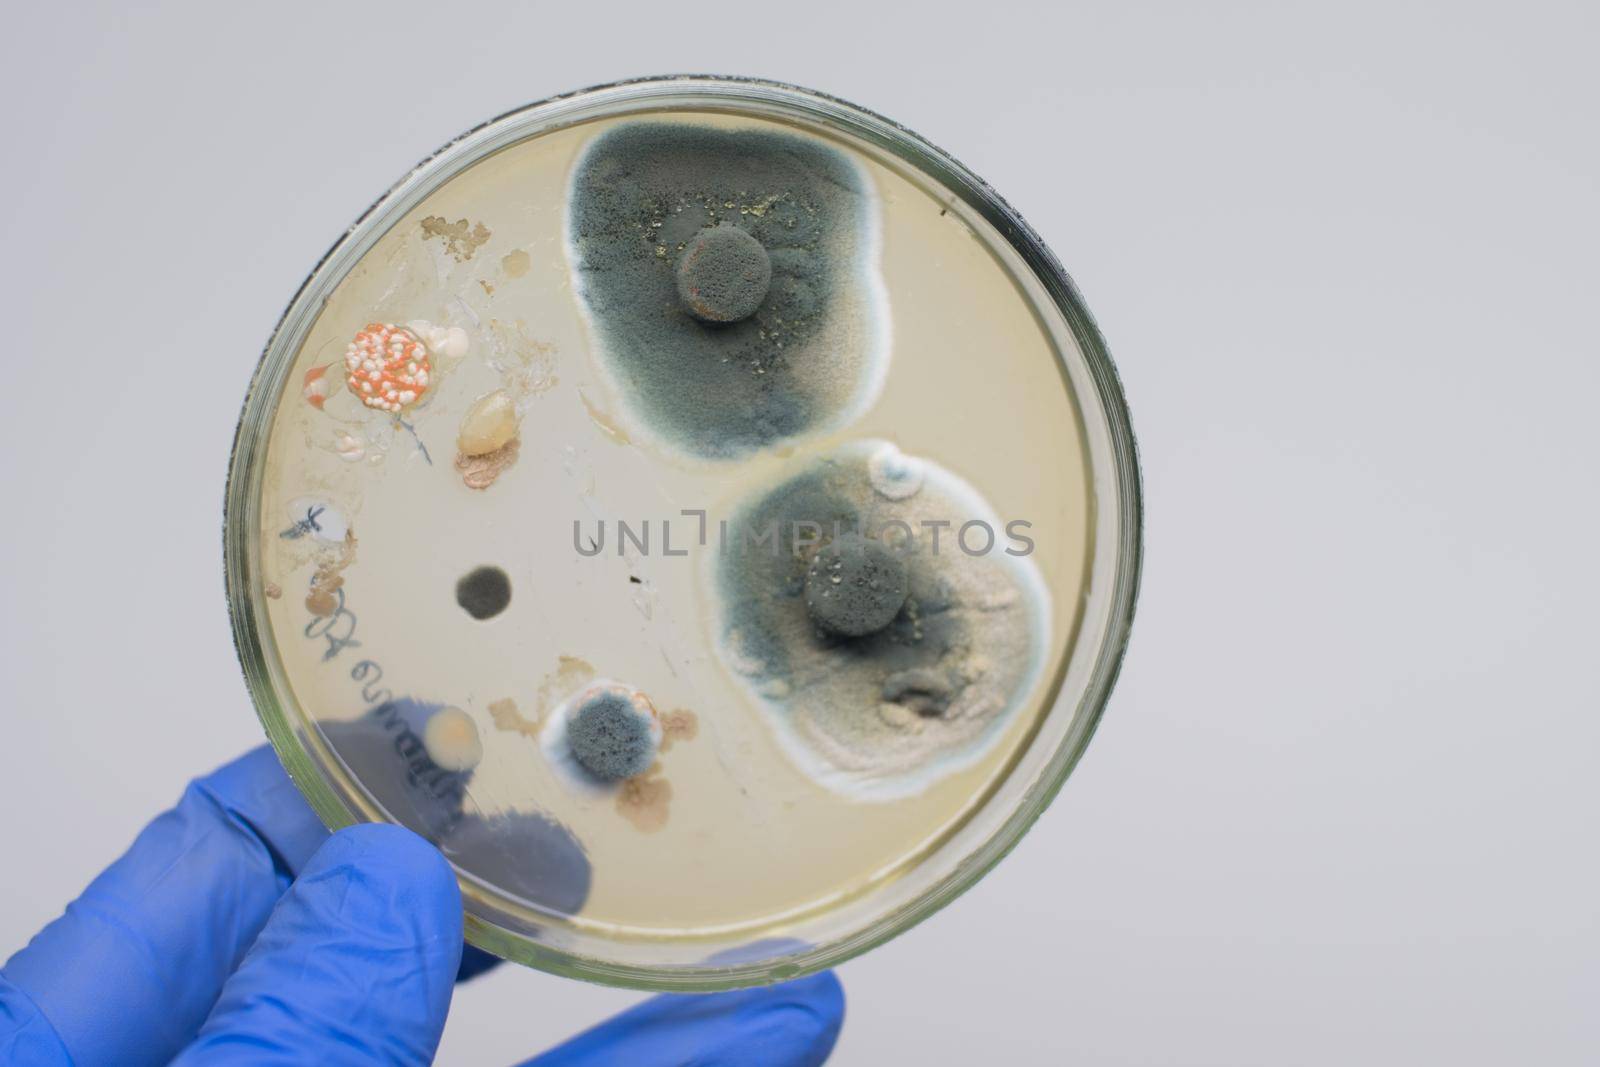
679	725
571	674
272	590
480	472
507	716
461	238
323	599
646	800
515	263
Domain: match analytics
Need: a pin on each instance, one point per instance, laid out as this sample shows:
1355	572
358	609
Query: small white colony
893	474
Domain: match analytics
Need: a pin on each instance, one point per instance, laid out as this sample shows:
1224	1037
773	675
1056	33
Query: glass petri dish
702	508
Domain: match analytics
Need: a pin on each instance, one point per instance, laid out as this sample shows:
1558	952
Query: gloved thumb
355	965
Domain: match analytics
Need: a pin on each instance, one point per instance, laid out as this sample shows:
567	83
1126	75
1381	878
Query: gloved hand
236	930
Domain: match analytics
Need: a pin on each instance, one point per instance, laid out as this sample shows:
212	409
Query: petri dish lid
703	509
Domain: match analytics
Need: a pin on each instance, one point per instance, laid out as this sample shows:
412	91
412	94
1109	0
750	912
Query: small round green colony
612	735
855	586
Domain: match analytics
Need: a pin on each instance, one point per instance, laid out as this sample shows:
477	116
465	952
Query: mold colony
886	654
484	592
730	280
656	314
603	735
723	275
387	367
855	586
614	733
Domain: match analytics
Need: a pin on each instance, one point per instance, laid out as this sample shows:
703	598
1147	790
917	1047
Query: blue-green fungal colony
730	281
602	735
887	662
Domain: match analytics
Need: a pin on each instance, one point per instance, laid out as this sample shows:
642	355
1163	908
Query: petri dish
703	509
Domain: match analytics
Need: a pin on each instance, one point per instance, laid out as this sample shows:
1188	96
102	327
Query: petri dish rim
1115	480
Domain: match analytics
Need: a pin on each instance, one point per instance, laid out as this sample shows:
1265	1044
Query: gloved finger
356	964
475	961
790	1025
130	971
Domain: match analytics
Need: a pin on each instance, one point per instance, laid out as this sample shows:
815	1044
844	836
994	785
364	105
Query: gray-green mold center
730	279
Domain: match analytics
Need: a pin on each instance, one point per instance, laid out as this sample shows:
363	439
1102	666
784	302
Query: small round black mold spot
855	586
723	275
611	737
484	592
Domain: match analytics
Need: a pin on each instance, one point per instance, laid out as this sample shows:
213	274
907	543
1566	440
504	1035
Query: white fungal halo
451	739
553	736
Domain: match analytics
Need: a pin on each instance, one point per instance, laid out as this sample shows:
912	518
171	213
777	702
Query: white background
1343	805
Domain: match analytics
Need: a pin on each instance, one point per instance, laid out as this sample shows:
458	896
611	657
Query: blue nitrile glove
236	930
